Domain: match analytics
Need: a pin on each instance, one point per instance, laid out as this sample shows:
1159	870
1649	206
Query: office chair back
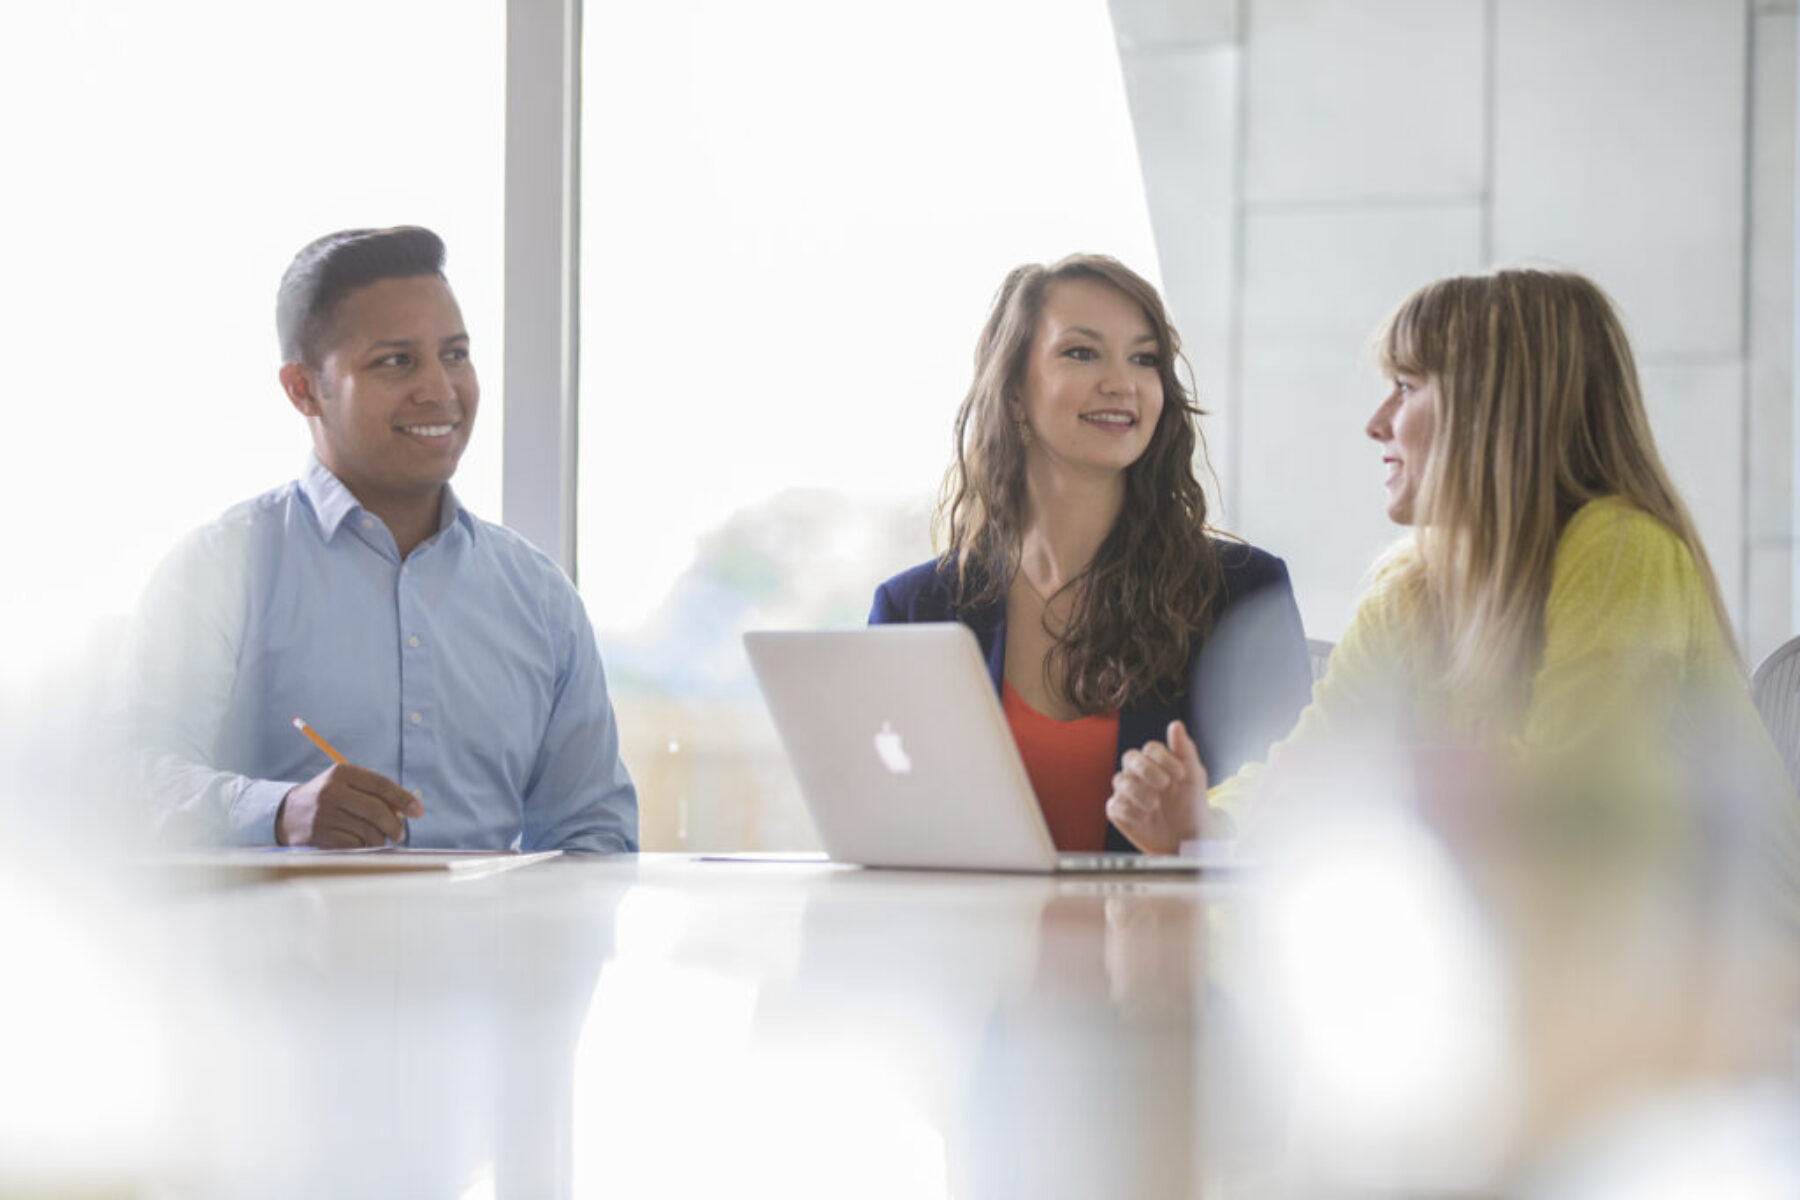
1318	653
1775	687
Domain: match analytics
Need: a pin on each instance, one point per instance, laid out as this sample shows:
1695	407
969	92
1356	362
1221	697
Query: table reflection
1388	1018
665	1027
387	1036
920	1035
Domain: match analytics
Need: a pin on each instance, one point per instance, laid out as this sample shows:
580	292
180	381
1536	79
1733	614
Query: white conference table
667	1026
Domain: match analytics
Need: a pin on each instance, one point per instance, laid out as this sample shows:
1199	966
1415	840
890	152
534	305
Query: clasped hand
1159	795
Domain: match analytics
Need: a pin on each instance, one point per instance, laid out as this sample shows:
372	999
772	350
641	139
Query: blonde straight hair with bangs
1539	411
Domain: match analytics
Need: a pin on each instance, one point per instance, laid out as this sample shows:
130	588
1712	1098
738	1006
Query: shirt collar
452	512
332	501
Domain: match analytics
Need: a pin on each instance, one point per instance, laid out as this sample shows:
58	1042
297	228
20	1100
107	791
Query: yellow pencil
321	743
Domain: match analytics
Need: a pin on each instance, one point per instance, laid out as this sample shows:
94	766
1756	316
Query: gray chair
1775	687
1318	653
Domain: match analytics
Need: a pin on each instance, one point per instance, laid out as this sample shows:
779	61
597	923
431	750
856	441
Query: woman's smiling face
1403	424
1092	391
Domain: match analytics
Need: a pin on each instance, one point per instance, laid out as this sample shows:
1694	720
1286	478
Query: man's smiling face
393	398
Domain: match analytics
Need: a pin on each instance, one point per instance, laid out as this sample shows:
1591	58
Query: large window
163	163
794	216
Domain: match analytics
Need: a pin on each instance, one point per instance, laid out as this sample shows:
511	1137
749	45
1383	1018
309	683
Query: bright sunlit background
783	274
164	163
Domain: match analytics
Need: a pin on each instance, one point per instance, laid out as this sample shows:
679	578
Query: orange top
1070	765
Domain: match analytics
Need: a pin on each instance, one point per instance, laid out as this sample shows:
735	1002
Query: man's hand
1159	794
345	806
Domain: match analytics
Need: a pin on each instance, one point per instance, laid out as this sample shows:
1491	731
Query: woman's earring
1024	432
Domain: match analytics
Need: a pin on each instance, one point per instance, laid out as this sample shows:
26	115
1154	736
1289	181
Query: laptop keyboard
1124	862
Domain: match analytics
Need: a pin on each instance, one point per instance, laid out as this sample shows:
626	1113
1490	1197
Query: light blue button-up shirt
466	673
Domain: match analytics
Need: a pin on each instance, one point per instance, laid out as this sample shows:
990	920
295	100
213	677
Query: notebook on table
281	862
904	757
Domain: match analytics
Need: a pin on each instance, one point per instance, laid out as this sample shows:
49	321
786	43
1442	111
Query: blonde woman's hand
1159	794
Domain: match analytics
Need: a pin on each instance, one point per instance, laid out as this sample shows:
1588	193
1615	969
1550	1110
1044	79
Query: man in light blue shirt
449	662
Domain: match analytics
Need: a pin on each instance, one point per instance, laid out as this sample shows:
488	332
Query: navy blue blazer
1248	678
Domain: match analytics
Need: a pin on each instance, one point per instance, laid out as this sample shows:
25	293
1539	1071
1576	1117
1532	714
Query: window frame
542	256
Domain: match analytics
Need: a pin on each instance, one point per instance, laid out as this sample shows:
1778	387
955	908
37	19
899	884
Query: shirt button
368	522
416	718
413	641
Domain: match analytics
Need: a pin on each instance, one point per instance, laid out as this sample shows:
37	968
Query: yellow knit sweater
1637	695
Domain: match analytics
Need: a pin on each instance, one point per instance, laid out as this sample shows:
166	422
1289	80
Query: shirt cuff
1231	795
251	819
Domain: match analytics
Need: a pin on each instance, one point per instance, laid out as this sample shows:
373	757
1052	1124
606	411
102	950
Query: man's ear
300	384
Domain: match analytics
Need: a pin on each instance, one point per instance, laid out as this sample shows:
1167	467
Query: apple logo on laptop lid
891	750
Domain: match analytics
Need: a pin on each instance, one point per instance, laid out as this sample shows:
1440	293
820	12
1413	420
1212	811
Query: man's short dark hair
327	270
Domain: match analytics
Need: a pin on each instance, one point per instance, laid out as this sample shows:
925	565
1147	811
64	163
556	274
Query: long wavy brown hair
1153	587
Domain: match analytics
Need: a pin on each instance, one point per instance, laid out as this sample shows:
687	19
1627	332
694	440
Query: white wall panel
1696	412
1173	24
1768	612
1309	481
1619	150
1381	99
1771	279
1767	452
1766	626
1184	110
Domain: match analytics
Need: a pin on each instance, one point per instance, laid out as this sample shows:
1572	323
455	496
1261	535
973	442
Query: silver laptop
904	756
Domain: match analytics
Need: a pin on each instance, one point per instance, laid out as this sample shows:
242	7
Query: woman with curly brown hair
1075	545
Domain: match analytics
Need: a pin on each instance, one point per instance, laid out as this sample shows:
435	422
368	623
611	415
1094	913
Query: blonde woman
1553	608
1077	549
